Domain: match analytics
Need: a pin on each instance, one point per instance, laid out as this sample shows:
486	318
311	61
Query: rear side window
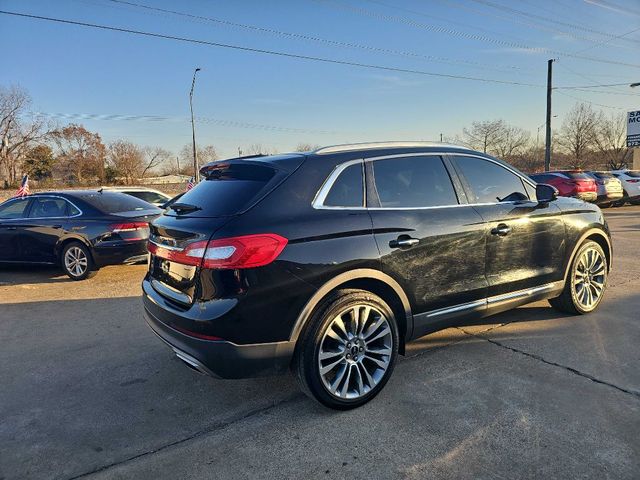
347	190
14	208
48	207
115	202
413	182
490	182
227	189
634	173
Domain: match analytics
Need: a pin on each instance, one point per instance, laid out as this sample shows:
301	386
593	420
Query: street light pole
196	173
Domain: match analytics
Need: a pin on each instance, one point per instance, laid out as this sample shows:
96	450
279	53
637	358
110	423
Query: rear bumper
587	196
610	196
220	358
120	252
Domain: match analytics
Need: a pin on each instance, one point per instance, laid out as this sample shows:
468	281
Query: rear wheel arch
370	280
67	240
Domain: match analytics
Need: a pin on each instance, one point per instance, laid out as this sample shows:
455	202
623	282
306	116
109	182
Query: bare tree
153	158
485	135
81	154
206	154
306	147
611	141
127	159
17	135
513	141
259	149
577	134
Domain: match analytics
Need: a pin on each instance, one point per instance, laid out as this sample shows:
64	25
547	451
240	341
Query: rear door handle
403	241
501	230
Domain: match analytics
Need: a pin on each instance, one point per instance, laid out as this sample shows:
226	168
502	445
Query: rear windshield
577	175
603	175
634	173
115	202
227	189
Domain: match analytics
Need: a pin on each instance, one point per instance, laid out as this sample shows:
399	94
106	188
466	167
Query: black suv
328	262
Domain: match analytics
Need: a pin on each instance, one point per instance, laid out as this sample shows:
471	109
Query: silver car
609	188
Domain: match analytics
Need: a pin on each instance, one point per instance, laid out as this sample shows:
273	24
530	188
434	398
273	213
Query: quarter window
14	208
347	190
413	182
490	182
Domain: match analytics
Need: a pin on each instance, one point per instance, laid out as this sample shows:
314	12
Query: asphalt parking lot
86	390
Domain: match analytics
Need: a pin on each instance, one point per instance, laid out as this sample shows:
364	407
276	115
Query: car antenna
100	189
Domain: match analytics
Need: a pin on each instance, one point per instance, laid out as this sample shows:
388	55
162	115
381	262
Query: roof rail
380	145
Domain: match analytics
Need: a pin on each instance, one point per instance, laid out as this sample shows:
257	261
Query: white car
630	180
154	197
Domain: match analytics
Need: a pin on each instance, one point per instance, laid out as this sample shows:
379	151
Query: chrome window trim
321	195
328	183
54	218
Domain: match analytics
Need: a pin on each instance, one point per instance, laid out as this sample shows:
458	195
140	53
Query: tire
605	205
76	261
355	367
589	271
635	201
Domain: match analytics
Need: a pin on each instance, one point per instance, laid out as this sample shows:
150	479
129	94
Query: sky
136	87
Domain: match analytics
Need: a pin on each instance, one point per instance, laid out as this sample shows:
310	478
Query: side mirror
546	193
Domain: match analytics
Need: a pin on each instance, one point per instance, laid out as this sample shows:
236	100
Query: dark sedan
80	230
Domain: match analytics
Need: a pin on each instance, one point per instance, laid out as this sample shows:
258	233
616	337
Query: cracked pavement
88	392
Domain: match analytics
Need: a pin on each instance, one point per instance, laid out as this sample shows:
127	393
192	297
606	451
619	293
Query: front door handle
403	241
501	230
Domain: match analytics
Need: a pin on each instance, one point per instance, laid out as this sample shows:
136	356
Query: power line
590	102
269	52
511	19
504	8
605	42
178	119
471	36
334	43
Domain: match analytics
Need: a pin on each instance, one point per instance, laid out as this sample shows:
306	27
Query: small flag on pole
23	191
191	183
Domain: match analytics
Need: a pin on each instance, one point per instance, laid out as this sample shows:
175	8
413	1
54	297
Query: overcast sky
246	97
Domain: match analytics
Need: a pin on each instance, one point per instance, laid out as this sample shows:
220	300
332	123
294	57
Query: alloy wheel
355	351
76	261
589	278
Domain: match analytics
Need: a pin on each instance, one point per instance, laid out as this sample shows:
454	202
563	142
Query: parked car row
80	230
604	188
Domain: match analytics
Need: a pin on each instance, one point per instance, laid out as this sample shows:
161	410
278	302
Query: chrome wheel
589	278
355	351
76	261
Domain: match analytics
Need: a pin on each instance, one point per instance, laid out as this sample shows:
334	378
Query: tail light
247	251
133	230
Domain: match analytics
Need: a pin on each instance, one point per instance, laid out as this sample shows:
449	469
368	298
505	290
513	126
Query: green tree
39	162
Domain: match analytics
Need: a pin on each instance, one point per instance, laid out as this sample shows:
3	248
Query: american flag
191	183
23	191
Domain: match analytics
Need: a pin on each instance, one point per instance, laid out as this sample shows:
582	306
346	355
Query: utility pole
547	147
196	173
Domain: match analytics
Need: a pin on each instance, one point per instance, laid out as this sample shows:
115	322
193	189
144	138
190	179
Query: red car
570	183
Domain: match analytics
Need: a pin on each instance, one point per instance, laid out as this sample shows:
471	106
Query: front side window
490	182
14	208
347	190
413	182
48	207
